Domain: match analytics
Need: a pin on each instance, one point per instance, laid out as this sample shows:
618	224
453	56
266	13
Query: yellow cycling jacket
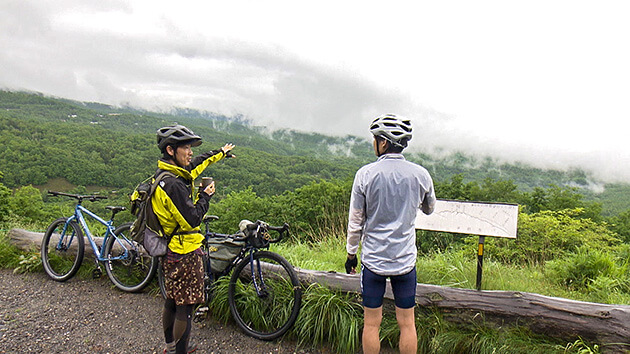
178	209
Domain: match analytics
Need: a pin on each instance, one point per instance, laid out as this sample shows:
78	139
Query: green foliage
45	139
235	207
489	190
429	242
5	197
557	198
439	335
621	225
454	268
613	197
27	203
9	254
312	211
549	235
329	317
330	250
581	347
219	305
596	271
29	263
316	206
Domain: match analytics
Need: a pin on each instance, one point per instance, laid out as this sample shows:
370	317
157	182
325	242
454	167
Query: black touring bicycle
264	293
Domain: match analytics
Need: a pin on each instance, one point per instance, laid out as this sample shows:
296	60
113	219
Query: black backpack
146	229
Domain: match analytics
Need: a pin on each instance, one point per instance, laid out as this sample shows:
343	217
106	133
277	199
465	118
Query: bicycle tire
58	249
128	265
269	315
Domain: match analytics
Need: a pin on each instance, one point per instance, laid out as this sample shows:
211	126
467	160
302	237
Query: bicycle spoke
264	295
128	265
62	249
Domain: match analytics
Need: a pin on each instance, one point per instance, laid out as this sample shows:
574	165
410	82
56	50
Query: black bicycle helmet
395	129
176	135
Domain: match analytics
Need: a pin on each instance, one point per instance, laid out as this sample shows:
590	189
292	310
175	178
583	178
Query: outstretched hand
227	148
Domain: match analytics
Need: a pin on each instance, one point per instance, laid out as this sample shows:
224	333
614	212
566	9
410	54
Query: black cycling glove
350	264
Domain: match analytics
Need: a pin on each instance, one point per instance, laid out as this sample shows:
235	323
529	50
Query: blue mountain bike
126	262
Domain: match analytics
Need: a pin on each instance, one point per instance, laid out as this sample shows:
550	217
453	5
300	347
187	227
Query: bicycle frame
109	232
248	250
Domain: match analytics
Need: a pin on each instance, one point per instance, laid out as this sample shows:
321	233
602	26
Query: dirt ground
39	315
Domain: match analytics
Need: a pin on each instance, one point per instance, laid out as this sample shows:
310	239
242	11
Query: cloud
158	55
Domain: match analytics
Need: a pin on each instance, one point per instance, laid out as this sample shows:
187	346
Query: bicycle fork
261	288
65	240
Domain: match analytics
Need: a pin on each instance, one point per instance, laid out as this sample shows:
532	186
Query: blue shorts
403	287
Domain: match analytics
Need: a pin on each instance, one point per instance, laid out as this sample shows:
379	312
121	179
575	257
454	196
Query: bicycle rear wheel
161	280
62	249
128	264
264	295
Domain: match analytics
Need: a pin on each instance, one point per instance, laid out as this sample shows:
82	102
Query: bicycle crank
201	313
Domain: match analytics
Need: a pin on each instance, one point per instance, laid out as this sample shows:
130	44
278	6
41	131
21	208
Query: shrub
549	235
589	269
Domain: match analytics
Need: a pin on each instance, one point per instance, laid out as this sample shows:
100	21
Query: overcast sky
543	82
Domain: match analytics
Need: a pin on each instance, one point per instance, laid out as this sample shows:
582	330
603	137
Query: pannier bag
222	250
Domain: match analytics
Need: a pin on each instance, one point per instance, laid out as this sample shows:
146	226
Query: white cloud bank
544	82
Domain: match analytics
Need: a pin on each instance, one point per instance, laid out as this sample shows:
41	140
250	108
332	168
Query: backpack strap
159	177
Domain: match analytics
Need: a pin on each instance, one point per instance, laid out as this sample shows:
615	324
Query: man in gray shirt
386	195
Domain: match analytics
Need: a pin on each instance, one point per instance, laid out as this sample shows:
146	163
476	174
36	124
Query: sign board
483	219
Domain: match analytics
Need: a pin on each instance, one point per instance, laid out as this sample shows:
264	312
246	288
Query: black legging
177	322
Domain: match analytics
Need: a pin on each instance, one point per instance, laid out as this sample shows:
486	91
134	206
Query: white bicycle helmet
395	129
176	134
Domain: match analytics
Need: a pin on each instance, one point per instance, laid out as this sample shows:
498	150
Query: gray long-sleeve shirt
385	198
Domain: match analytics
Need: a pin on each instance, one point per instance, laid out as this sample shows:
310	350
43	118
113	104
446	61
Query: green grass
329	318
329	254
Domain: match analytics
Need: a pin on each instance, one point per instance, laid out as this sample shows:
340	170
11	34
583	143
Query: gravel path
39	315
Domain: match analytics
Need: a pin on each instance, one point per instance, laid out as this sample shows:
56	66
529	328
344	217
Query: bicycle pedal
201	313
97	273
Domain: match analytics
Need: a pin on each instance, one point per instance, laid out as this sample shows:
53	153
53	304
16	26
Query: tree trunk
608	325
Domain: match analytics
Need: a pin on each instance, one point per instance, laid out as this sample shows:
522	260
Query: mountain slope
45	138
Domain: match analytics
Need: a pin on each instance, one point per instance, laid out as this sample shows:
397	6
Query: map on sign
483	219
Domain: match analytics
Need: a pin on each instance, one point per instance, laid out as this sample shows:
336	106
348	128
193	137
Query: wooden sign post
483	219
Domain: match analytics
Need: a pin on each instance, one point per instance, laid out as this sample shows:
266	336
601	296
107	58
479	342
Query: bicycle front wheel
62	249
264	295
128	264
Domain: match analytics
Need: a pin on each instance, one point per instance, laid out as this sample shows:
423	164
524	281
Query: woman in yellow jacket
180	217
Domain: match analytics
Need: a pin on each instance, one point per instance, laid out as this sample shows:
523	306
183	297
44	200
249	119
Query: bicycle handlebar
258	225
79	197
281	230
